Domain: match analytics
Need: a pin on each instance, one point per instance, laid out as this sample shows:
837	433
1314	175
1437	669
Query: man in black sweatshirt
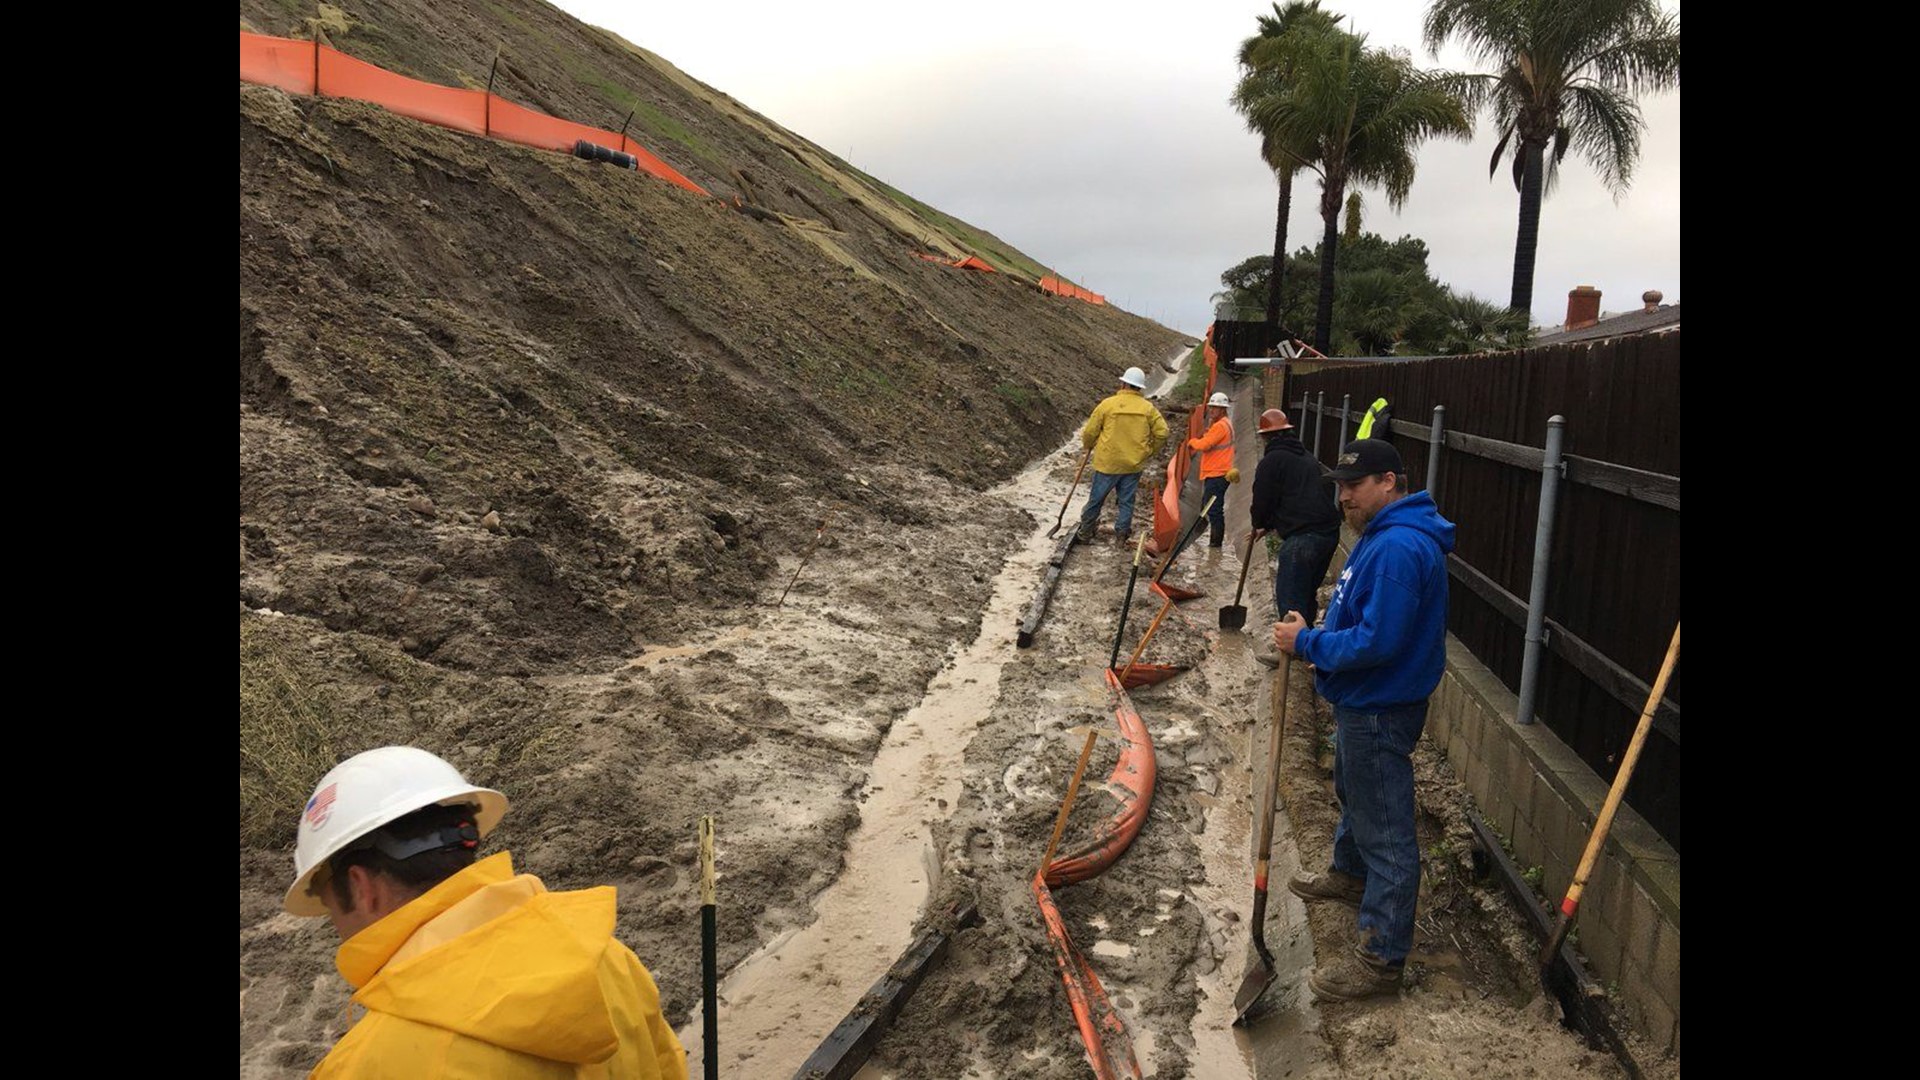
1292	497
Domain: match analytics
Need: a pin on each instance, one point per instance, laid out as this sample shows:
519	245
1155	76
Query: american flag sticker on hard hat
320	807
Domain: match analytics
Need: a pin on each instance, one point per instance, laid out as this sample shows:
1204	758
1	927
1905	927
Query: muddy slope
528	447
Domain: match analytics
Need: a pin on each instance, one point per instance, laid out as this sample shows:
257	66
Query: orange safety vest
1216	449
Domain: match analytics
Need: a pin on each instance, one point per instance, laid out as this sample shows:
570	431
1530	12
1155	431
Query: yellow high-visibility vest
1366	424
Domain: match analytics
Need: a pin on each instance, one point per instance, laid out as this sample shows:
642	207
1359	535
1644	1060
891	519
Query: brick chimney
1651	298
1583	307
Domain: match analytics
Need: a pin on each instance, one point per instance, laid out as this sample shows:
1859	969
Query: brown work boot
1123	537
1359	974
1332	885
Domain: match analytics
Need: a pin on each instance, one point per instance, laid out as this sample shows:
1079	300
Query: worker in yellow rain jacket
1124	433
1215	448
464	968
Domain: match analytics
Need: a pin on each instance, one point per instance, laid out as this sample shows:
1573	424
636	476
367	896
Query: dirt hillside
519	434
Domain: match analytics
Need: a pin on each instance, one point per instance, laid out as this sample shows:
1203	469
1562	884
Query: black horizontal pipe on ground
1037	607
1583	1003
848	1047
595	152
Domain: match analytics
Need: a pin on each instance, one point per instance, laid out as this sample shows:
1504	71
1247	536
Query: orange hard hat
1274	420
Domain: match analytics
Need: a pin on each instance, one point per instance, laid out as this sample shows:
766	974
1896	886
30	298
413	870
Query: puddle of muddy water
778	1004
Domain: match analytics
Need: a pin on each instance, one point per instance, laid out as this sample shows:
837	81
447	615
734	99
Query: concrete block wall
1544	799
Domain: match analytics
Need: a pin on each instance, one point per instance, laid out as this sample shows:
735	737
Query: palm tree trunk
1329	244
1533	172
1278	276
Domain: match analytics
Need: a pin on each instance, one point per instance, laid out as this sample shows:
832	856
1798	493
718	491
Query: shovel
1604	823
1069	499
1261	977
1234	616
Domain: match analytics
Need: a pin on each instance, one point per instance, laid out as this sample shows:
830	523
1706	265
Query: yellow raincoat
1124	431
490	975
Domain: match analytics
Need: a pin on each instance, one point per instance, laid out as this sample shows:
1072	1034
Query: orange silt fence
308	67
1053	284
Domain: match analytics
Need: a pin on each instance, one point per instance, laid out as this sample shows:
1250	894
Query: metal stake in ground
804	558
1605	821
1088	452
709	968
1120	631
1261	977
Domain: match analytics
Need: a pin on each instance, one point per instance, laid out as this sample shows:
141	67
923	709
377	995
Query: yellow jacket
1215	449
490	975
1124	431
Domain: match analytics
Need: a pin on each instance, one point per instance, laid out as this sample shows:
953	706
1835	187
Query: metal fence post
1434	439
1319	420
1550	475
1340	440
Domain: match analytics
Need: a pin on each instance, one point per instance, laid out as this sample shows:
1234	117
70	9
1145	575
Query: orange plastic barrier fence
448	106
1102	1030
281	62
307	67
1052	283
975	262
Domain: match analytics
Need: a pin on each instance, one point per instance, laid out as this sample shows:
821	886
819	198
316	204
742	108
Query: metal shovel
1234	616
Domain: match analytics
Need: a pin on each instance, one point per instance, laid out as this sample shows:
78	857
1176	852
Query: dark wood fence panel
1614	569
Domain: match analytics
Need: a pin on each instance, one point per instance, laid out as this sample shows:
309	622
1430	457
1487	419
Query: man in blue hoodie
1377	657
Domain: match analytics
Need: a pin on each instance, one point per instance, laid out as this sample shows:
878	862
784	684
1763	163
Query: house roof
1665	317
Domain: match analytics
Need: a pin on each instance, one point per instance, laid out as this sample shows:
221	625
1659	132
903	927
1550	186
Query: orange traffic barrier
308	67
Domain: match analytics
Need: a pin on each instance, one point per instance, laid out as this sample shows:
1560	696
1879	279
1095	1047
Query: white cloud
1097	137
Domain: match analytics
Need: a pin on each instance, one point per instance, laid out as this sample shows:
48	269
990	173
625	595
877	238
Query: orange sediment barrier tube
1102	1030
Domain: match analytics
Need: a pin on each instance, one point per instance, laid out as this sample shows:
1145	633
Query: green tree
1365	111
1263	75
1569	73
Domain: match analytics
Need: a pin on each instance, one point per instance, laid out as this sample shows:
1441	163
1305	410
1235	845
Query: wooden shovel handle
1604	823
1073	789
1146	637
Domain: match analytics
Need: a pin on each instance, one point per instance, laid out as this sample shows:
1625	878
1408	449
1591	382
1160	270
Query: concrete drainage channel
777	1005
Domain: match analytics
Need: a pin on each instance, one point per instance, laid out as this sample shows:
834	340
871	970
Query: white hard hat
1218	399
1135	378
373	789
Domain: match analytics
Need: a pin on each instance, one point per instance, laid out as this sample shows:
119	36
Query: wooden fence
1613	591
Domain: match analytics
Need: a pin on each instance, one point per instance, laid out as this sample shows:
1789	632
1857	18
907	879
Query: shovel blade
1260	975
1233	617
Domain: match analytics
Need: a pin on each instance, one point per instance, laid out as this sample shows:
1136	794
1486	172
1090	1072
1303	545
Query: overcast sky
1096	137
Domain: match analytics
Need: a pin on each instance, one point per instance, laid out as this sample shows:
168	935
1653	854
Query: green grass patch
1021	397
1193	380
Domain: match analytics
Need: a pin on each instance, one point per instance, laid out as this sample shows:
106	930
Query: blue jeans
1125	485
1215	488
1304	558
1375	840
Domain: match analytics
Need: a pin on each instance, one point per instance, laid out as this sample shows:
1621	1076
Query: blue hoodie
1384	640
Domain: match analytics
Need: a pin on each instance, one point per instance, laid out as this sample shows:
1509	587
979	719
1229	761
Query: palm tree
1365	112
1569	73
1259	81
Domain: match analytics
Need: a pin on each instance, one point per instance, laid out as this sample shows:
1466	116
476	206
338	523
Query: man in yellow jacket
1215	448
464	968
1124	433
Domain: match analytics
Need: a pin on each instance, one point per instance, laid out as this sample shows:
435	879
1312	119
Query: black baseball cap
1365	457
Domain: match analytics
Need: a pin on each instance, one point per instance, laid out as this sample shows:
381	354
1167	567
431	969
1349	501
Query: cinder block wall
1543	798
